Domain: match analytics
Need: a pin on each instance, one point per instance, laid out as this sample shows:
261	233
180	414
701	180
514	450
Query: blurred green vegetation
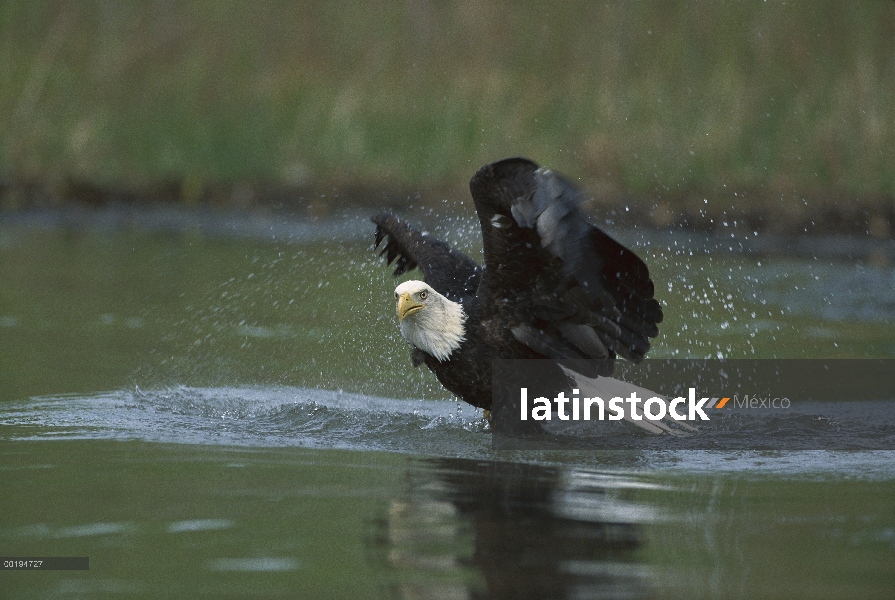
672	100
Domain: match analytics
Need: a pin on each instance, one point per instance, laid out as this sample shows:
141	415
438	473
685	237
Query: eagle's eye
423	294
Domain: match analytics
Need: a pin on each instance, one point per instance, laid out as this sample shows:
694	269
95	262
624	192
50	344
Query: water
232	413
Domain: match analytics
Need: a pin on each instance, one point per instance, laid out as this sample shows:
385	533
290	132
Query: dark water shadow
479	529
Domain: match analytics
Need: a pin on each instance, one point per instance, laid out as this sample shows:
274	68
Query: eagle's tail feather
609	387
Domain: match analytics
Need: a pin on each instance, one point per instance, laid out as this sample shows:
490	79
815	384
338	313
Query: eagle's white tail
608	387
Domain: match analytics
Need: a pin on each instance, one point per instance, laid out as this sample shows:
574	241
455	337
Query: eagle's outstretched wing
449	271
564	288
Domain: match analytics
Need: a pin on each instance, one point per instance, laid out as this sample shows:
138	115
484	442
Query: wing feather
567	290
448	271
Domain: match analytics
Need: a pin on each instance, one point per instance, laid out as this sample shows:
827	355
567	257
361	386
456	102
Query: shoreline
351	224
814	213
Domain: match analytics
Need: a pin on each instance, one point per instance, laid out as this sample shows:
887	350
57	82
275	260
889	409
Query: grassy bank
787	103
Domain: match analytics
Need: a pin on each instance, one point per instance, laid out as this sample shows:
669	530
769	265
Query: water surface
222	413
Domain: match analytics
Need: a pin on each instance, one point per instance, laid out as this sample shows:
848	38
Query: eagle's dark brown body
553	285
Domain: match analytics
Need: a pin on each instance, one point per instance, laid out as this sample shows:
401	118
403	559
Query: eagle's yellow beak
406	306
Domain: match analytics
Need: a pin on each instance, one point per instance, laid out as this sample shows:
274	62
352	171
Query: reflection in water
476	529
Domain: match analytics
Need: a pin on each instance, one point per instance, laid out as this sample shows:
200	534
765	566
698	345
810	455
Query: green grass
671	100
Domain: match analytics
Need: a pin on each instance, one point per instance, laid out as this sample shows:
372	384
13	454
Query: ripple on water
327	419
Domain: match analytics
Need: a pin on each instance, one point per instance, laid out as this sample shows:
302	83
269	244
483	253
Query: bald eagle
552	286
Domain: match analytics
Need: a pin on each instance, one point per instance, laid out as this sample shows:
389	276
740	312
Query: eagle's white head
428	320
